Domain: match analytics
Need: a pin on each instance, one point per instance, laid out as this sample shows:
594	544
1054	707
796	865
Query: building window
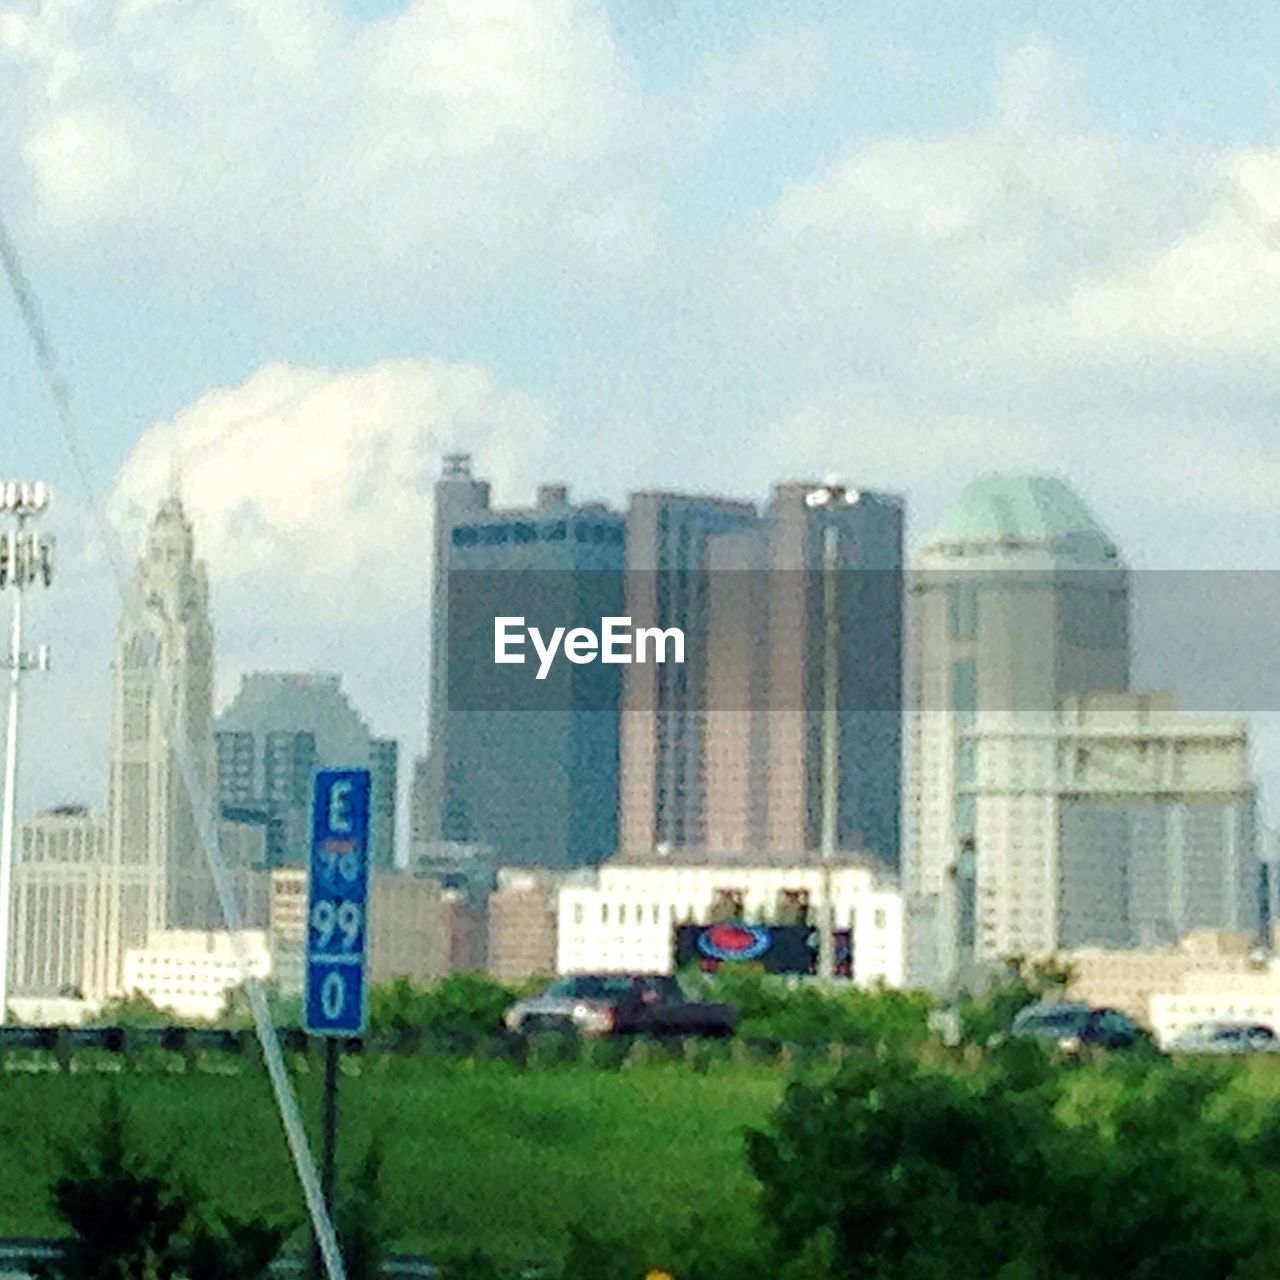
962	610
604	913
964	689
577	913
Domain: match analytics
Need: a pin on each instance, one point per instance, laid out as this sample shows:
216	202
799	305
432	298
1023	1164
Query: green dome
996	508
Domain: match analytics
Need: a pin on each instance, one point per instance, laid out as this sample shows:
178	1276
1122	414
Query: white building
162	703
1096	816
190	971
1211	997
1018	601
623	916
59	904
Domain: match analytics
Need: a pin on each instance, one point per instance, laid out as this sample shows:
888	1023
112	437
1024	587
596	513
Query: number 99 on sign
336	924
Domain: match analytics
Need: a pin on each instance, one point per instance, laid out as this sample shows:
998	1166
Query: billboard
776	948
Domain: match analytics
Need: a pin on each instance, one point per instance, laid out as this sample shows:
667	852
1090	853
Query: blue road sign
337	899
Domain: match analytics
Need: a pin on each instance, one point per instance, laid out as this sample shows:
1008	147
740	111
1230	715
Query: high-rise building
665	707
1096	816
161	748
766	675
533	784
1018	601
277	731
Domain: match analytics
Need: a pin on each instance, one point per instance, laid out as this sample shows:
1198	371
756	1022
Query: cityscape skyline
1159	662
796	283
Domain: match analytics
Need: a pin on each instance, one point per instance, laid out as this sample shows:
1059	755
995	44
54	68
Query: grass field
477	1153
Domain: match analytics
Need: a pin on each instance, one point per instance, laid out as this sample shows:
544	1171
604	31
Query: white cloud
289	128
1212	292
301	482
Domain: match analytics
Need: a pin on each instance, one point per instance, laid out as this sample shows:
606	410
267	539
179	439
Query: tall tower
765	683
1019	602
665	708
162	704
456	498
532	783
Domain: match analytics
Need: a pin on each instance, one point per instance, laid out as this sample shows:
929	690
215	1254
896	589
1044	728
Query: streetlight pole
25	558
823	499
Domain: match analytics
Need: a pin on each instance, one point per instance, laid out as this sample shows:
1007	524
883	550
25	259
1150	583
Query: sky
301	249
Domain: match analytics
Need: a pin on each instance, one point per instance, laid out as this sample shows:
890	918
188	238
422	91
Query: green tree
128	1216
123	1213
134	1010
458	1013
1018	1168
361	1218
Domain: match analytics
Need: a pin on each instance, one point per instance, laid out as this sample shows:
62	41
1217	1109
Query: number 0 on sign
337	898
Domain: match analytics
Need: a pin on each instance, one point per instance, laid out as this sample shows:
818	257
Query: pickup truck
619	1004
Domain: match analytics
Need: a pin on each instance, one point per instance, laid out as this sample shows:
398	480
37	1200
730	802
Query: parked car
1226	1037
1075	1027
603	1004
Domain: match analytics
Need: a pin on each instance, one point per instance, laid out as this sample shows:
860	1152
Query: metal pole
329	1140
830	747
10	787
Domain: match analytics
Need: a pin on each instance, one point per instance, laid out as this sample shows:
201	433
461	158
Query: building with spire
161	761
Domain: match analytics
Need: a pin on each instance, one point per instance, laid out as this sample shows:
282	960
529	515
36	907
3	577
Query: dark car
594	1004
1074	1027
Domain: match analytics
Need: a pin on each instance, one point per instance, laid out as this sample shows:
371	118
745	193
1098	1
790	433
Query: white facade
189	972
1095	815
57	934
1118	822
1018	601
162	678
623	918
1210	997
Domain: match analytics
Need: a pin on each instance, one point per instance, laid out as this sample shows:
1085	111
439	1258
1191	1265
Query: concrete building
522	925
765	679
537	783
190	972
665	709
1213	996
1129	979
1018	601
60	913
1120	822
280	728
417	930
622	917
162	690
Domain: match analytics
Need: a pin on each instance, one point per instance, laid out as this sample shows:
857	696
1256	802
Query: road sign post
337	937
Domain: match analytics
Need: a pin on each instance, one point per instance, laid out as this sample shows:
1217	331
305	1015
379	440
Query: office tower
162	677
536	784
1018	602
768	628
665	707
277	731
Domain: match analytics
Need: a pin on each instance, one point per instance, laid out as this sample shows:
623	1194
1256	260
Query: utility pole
824	499
25	558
